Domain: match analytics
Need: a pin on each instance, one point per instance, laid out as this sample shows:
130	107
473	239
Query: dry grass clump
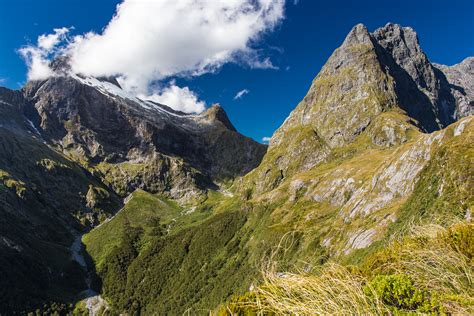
334	291
435	257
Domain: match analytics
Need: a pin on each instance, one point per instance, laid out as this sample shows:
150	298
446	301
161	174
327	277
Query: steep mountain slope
370	74
45	200
366	154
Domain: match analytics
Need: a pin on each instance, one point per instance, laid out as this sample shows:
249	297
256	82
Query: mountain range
114	204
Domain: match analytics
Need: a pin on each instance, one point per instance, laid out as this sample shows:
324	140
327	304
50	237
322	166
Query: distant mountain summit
460	79
154	147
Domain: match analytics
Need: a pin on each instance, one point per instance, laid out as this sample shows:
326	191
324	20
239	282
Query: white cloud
241	93
180	99
38	57
49	41
149	40
266	140
38	64
263	64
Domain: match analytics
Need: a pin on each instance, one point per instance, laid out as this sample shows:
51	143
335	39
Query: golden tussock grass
437	259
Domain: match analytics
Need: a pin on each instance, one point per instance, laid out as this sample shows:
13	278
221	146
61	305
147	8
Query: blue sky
298	46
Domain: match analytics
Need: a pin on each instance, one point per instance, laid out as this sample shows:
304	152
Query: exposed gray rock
422	90
396	179
403	45
361	239
461	83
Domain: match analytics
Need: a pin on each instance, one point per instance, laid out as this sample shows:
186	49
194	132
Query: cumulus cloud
180	99
266	140
241	93
149	40
38	56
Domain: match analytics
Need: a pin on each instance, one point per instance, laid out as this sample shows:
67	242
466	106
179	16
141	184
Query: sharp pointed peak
359	34
217	113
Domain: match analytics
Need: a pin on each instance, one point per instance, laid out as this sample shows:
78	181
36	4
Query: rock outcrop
461	83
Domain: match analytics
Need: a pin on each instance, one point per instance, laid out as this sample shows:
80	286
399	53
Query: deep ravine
93	301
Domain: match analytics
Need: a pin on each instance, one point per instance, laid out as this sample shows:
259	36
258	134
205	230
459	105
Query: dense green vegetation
399	292
144	211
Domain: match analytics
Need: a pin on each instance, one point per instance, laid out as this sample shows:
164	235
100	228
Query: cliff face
45	200
461	83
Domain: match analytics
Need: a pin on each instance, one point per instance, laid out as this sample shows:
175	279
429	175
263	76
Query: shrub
399	292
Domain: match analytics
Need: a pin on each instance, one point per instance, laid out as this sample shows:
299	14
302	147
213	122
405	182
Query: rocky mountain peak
61	65
217	114
346	93
396	36
358	35
402	44
137	143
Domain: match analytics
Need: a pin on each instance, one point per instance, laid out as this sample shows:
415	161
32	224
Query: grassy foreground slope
430	272
342	212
